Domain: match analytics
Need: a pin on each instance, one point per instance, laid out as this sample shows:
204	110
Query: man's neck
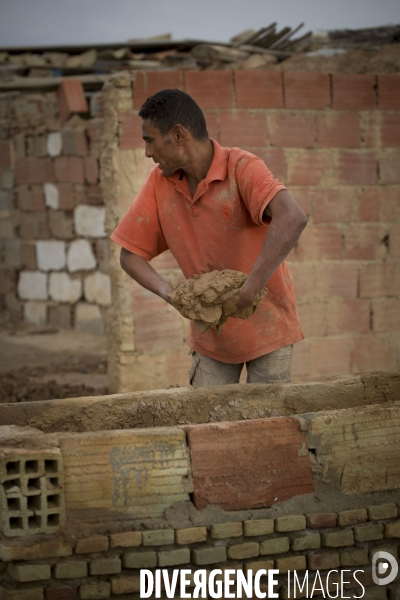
199	163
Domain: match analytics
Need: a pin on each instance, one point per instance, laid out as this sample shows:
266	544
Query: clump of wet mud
210	299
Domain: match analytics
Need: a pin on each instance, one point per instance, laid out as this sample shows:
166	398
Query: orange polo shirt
221	227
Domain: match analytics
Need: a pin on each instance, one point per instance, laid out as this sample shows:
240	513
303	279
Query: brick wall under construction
334	141
91	492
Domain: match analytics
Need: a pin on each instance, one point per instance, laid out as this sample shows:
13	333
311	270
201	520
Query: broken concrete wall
316	491
333	139
53	246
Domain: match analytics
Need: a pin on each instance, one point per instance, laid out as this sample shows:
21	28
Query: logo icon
382	567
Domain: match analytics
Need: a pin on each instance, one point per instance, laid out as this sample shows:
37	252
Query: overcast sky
47	22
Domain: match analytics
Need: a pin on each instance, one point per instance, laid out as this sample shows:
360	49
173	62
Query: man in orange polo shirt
216	208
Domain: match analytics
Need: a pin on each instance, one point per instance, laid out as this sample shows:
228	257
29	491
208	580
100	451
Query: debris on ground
42	363
32	384
210	299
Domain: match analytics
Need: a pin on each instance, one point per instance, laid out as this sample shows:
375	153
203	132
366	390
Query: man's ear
180	134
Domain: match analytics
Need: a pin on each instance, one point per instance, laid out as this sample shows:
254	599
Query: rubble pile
265	48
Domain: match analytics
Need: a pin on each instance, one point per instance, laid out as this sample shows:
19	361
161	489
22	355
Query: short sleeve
140	230
257	186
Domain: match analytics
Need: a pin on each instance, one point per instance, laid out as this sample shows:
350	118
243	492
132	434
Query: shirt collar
218	169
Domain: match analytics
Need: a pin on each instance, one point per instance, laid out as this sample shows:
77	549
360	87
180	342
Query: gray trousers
269	368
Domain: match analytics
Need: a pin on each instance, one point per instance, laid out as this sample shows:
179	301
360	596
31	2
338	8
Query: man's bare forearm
141	271
288	221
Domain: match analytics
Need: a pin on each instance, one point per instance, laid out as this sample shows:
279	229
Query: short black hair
168	108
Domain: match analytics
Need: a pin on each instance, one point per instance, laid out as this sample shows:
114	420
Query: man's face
161	149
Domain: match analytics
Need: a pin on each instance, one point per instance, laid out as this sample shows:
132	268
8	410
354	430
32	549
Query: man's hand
287	223
141	271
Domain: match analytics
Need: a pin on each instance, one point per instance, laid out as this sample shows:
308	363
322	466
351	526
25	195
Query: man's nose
148	153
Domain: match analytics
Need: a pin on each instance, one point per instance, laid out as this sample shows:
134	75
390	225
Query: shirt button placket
194	210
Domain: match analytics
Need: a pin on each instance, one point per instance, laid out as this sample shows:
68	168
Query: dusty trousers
269	368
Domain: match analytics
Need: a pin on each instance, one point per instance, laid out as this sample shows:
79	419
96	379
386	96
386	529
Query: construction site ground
41	363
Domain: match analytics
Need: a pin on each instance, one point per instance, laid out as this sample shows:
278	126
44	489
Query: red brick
333	205
330	356
212	122
302	196
363	576
389	166
75	169
339	279
81	142
389	92
386	315
319	242
178	364
379	279
61	224
357	168
379	204
365	242
8	280
274	158
33	226
210	89
308	167
27	170
91	169
28	256
296	130
148	83
69	169
154	329
353	91
306	90
321	520
95	129
47	170
143	300
94	195
305	279
242	128
338	130
66	196
6	154
390	129
258	462
371	353
71	98
61	593
348	316
394	241
370	123
259	89
30	198
313	319
130	127
321	561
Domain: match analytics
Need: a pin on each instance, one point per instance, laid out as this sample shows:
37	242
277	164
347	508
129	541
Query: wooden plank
28	83
286	37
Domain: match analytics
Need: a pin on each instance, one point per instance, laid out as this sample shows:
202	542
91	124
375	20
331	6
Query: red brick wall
334	141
